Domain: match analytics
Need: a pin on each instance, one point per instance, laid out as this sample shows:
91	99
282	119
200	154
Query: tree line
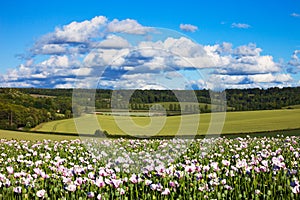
22	110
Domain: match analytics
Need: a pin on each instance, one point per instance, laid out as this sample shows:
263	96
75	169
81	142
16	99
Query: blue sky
269	28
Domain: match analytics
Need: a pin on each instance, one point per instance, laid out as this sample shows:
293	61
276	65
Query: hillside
235	122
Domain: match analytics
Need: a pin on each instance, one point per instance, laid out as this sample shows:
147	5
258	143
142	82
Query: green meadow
235	122
18	135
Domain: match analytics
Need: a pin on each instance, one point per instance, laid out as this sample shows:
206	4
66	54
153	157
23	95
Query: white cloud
188	27
77	54
268	78
105	57
83	71
113	42
246	59
73	38
183	52
39	76
224	48
250	81
79	31
147	81
127	26
51	49
295	15
250	65
56	61
184	47
294	63
133	81
248	50
240	25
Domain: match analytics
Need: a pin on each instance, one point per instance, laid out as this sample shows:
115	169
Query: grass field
236	122
5	134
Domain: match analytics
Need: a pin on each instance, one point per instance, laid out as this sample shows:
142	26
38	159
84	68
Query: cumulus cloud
126	54
248	68
246	59
127	26
247	50
70	39
181	53
56	61
267	78
51	49
77	32
113	42
240	25
104	57
294	63
251	81
188	27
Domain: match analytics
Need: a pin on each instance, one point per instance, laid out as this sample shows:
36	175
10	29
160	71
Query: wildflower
223	181
153	186
226	163
241	163
173	184
10	169
166	191
199	176
18	189
206	168
116	182
148	182
227	187
296	189
178	174
41	193
91	175
99	197
214	165
7	183
90	195
71	188
121	190
78	181
264	163
133	178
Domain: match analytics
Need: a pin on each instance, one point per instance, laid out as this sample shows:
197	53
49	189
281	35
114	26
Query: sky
150	44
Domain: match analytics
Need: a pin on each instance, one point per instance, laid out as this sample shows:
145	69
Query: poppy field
215	168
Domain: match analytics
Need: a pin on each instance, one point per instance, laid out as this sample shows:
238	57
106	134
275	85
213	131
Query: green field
236	122
18	135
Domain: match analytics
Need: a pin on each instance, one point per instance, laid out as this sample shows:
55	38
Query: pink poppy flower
41	193
10	169
71	188
226	163
166	191
18	190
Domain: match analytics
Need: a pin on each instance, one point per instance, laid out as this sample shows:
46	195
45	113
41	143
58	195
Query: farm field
236	122
18	135
241	168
